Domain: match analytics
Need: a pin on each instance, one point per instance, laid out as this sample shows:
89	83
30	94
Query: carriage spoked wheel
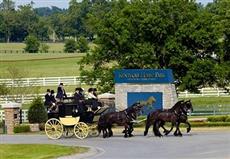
81	130
53	128
68	132
93	131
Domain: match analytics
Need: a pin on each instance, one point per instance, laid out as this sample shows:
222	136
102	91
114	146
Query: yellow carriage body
69	120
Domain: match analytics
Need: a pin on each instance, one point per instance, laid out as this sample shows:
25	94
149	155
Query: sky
63	3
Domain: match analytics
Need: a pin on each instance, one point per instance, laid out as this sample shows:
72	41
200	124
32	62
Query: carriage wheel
81	130
68	132
53	128
94	131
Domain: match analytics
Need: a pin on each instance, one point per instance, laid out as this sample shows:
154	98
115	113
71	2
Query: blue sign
134	97
143	76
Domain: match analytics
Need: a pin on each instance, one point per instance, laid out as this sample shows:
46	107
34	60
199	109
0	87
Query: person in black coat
52	97
79	100
48	101
61	93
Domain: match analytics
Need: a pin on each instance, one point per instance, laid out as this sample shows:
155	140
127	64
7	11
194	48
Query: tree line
191	39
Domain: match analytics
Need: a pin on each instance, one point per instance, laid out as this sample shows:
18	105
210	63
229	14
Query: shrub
44	48
70	46
209	124
82	44
21	128
37	112
1	124
227	119
32	44
42	126
217	118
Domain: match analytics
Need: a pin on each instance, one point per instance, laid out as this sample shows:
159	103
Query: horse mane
178	104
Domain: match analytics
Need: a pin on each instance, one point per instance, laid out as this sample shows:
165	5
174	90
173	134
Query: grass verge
37	151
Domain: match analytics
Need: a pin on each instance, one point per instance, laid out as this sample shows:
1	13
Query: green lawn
21	46
41	65
209	102
37	151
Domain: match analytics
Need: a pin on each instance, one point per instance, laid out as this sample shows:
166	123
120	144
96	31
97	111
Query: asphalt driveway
197	145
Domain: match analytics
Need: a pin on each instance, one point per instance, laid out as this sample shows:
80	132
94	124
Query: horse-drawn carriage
67	121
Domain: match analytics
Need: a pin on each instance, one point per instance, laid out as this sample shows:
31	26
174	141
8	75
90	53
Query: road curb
93	152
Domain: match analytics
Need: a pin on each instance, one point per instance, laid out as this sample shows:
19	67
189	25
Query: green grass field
41	65
209	102
37	151
21	46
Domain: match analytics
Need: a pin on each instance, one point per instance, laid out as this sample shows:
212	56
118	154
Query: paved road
196	145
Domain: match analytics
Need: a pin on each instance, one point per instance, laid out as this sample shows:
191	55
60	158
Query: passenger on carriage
52	96
48	101
61	93
92	99
79	100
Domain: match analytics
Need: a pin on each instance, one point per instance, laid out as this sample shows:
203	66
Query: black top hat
48	90
62	84
78	89
90	89
52	92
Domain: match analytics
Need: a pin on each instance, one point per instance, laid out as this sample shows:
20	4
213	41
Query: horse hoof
130	135
125	136
188	130
145	133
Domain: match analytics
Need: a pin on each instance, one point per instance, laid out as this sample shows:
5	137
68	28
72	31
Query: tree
32	44
8	20
37	112
154	34
44	48
70	46
82	45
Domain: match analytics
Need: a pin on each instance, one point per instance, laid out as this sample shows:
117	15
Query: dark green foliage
1	124
82	45
32	44
209	124
180	35
70	46
21	128
37	112
218	118
44	48
227	119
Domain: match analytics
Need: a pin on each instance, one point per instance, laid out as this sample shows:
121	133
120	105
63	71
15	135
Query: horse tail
147	125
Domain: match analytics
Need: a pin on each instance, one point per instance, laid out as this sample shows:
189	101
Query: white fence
24	115
24	99
27	98
205	92
44	81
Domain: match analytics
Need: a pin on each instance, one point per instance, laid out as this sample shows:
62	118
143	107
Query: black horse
173	115
123	118
183	118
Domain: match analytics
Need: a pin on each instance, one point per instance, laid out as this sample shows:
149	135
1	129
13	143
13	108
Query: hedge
221	118
1	124
21	128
